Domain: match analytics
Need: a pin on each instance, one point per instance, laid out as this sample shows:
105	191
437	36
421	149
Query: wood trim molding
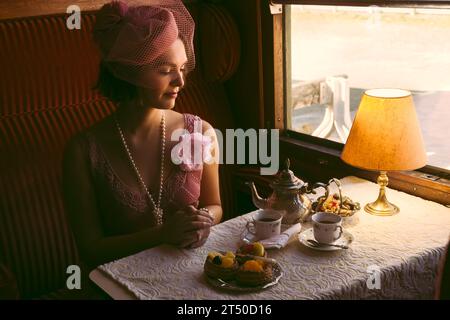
321	162
312	164
272	67
261	73
278	83
29	8
366	2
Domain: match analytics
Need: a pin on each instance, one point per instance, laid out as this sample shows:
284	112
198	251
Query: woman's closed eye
167	71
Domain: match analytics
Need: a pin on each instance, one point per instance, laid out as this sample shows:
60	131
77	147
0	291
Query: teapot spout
257	200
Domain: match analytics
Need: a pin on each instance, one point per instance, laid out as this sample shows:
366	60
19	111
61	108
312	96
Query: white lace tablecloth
405	247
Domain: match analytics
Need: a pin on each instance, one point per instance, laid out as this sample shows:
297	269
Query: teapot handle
338	184
322	199
323	185
306	189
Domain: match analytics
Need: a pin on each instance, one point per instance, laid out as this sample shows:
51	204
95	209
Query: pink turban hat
131	38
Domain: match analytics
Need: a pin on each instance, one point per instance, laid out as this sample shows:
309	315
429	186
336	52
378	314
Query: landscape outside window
347	50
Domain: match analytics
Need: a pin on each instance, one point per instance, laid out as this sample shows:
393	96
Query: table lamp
385	136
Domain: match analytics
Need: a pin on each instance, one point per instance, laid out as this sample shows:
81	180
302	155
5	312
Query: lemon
258	249
230	254
227	262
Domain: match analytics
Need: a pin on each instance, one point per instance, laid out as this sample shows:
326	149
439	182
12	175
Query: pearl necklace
157	211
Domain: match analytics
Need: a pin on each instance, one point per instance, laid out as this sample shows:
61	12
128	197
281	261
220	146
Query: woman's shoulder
75	150
191	120
101	127
98	132
82	142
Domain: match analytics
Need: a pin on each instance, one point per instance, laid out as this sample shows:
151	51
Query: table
405	250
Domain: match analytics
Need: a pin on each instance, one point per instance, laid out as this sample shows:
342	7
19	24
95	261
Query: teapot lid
286	179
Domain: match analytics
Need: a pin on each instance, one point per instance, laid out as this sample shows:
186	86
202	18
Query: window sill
326	161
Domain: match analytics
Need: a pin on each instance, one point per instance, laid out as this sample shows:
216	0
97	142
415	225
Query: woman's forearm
112	248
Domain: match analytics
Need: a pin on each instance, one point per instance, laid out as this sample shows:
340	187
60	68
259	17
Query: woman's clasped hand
187	228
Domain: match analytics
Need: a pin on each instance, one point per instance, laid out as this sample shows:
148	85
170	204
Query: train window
334	53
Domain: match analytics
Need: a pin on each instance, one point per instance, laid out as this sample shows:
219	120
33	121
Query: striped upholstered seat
47	73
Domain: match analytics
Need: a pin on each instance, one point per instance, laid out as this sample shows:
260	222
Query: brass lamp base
382	207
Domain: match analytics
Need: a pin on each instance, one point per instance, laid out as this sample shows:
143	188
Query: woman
122	190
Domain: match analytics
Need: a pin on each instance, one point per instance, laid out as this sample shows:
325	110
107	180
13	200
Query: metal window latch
429	177
275	8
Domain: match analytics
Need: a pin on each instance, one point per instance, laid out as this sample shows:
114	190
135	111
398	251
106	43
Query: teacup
327	227
265	224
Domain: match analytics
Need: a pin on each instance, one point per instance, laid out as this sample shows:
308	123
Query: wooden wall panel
26	8
245	88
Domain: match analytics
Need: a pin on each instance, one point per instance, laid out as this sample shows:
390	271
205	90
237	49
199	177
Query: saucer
248	237
346	239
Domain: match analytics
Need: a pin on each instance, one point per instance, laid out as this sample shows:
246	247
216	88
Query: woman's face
167	79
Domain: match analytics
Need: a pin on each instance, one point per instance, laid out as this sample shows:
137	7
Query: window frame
364	3
429	182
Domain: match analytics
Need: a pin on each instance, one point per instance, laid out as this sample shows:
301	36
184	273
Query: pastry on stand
254	273
221	266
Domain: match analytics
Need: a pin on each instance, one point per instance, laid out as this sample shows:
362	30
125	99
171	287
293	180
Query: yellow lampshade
385	134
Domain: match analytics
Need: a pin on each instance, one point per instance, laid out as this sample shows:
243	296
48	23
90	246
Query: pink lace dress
124	210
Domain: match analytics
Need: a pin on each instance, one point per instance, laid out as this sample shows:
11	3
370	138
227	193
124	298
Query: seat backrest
46	96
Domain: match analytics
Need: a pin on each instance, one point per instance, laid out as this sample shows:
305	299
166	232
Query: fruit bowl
336	203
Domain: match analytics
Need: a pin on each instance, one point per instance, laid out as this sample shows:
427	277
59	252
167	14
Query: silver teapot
289	194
